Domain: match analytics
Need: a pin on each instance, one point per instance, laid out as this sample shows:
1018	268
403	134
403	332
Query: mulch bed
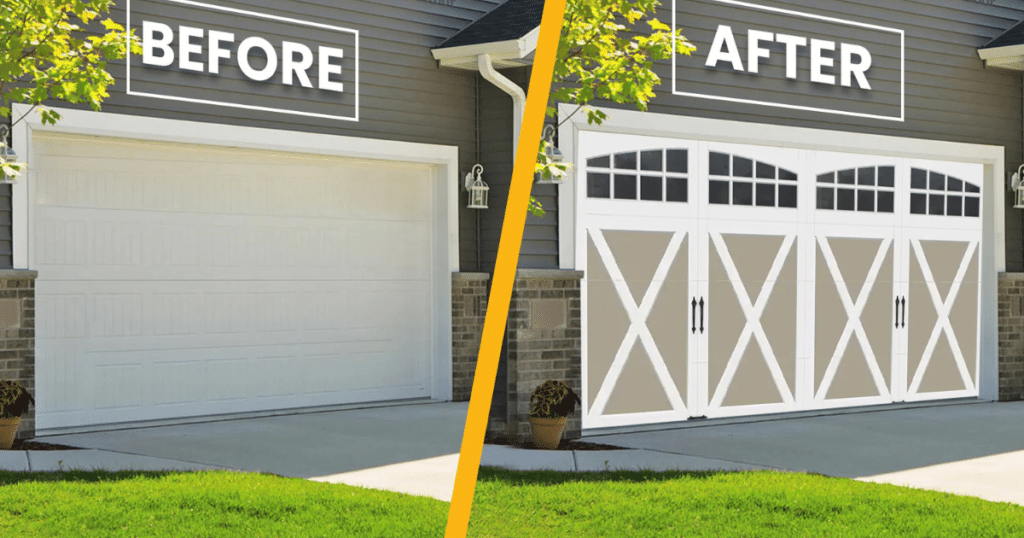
566	444
23	444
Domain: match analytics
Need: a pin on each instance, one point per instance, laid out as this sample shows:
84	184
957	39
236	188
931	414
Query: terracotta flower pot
547	432
8	429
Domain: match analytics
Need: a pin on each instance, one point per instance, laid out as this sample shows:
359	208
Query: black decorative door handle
701	315
897	312
904	301
693	318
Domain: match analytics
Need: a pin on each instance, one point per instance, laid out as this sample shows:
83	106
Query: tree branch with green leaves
47	53
606	54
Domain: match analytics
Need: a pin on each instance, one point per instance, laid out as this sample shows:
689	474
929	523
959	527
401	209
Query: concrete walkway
968	449
410	448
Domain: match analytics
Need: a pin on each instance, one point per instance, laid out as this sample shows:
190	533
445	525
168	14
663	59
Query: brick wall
1011	336
543	342
17	337
469	306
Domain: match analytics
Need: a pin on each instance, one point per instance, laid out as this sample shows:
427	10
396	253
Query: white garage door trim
444	159
720	131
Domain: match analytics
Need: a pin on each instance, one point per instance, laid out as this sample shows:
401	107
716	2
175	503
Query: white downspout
509	87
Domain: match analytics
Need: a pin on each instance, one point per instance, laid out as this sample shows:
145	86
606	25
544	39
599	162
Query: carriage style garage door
727	280
179	280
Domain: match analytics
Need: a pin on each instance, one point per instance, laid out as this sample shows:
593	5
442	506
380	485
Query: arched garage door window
932	193
655	175
866	189
736	180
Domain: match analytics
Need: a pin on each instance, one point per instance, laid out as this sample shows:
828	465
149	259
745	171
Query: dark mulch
23	444
566	444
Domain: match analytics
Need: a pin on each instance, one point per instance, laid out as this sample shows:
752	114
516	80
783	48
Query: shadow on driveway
851	445
306	445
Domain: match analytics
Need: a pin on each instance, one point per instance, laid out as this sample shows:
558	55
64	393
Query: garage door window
653	175
932	193
737	180
867	189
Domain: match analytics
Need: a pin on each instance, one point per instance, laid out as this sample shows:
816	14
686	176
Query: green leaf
603	53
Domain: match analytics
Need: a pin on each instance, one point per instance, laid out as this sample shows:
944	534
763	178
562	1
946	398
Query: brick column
543	340
18	337
1011	336
469	306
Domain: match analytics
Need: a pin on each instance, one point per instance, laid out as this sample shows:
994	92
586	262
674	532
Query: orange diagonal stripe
505	269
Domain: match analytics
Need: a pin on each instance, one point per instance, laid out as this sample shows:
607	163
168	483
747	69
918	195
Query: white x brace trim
753	327
942	308
638	323
854	325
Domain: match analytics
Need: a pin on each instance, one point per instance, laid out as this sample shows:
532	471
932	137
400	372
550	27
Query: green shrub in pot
14	399
551	402
14	402
553	399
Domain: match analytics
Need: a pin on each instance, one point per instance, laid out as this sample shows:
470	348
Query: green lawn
206	504
762	503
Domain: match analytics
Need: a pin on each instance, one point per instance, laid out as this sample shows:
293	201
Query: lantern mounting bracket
1016	184
476	187
7	155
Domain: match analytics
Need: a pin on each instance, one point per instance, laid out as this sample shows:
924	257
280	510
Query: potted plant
14	402
551	402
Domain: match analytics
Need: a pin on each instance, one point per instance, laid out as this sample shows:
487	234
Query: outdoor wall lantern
553	154
1017	188
477	188
7	154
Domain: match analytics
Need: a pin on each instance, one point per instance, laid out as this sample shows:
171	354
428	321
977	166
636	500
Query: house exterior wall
469	307
539	249
403	94
1011	336
17	337
6	258
543	342
927	83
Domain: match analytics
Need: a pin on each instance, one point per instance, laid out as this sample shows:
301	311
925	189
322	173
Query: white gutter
511	53
1008	57
498	49
509	87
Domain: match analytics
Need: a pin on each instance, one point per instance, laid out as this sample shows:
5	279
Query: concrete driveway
412	448
970	449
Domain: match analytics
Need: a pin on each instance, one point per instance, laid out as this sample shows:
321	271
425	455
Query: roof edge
988	45
517	51
1008	57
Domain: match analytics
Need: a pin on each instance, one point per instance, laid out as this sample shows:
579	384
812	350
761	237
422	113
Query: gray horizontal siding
539	248
540	237
405	20
950	95
6	261
470	257
496	158
404	95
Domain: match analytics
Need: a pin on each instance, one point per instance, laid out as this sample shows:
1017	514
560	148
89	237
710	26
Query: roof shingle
1013	36
511	20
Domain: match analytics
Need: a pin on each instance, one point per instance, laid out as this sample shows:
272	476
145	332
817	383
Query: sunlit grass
732	504
206	504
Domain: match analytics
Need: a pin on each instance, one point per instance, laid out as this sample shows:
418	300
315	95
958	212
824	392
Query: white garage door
179	280
726	279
